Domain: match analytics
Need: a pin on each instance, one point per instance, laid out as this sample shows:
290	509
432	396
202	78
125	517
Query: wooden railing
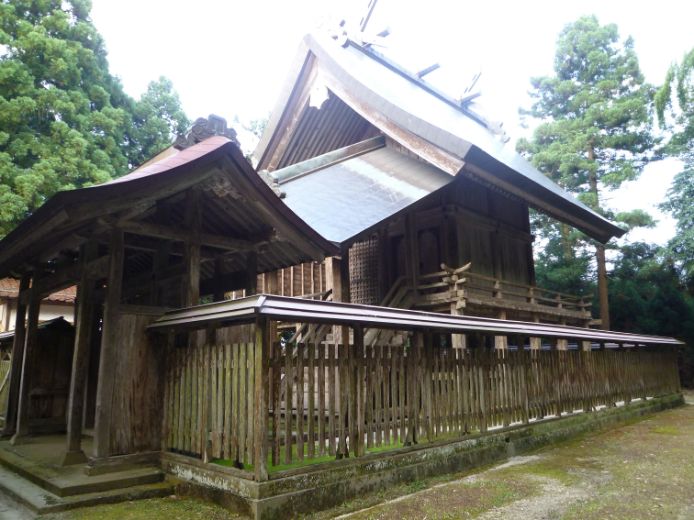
265	406
461	287
385	396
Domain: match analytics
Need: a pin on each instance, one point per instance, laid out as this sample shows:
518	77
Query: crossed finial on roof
203	128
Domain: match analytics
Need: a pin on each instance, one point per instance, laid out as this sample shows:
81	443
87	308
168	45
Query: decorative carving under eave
203	128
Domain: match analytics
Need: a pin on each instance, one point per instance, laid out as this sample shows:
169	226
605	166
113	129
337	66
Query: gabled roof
343	193
371	95
240	204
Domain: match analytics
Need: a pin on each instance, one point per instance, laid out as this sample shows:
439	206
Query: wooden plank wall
327	400
298	280
137	397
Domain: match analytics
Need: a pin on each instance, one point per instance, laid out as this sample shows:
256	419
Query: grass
297	463
170	508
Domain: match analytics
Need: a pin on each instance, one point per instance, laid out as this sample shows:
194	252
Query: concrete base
290	493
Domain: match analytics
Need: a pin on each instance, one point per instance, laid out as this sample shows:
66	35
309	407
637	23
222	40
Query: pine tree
680	202
594	130
65	121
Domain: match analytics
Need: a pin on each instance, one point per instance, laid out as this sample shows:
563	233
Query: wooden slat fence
344	400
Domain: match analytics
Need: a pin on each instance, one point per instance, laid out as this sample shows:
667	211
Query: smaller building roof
55	323
345	192
245	205
298	310
9	288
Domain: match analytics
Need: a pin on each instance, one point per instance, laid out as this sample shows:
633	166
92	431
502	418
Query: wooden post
501	342
22	427
191	259
261	350
358	331
109	347
17	358
80	361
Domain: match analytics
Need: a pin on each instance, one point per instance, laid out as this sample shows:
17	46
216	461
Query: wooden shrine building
404	179
190	225
205	347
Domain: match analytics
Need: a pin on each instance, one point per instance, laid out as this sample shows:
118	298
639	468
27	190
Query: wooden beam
183	235
80	359
17	359
109	347
30	343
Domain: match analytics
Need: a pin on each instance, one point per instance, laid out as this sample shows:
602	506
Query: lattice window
364	275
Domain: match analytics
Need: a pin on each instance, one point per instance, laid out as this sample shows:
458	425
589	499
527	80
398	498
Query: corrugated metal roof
343	199
301	310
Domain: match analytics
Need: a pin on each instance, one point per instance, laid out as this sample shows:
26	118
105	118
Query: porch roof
284	308
239	206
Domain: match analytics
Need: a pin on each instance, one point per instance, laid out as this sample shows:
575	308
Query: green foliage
680	202
647	296
594	133
595	124
65	121
561	264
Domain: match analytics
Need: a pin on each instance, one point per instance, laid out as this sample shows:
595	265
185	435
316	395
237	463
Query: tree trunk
599	252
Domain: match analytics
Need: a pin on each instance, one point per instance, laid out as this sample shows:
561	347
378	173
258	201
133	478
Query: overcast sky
230	58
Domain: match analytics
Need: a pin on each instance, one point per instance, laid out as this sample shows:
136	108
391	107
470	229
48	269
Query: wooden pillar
358	332
260	410
501	342
80	360
17	357
337	277
30	343
191	256
109	347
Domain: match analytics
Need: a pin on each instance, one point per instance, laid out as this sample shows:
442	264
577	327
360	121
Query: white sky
230	57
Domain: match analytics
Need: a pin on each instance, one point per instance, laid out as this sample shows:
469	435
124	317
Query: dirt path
642	470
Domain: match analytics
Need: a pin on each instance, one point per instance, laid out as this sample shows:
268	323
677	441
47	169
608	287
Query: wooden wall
136	413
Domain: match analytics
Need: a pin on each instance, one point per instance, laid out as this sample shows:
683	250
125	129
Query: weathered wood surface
343	400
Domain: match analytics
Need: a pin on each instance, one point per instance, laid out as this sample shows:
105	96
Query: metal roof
342	198
300	310
389	97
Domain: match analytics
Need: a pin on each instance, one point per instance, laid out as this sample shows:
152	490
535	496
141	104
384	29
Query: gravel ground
643	470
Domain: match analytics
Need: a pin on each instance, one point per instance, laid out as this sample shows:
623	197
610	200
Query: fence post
260	357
